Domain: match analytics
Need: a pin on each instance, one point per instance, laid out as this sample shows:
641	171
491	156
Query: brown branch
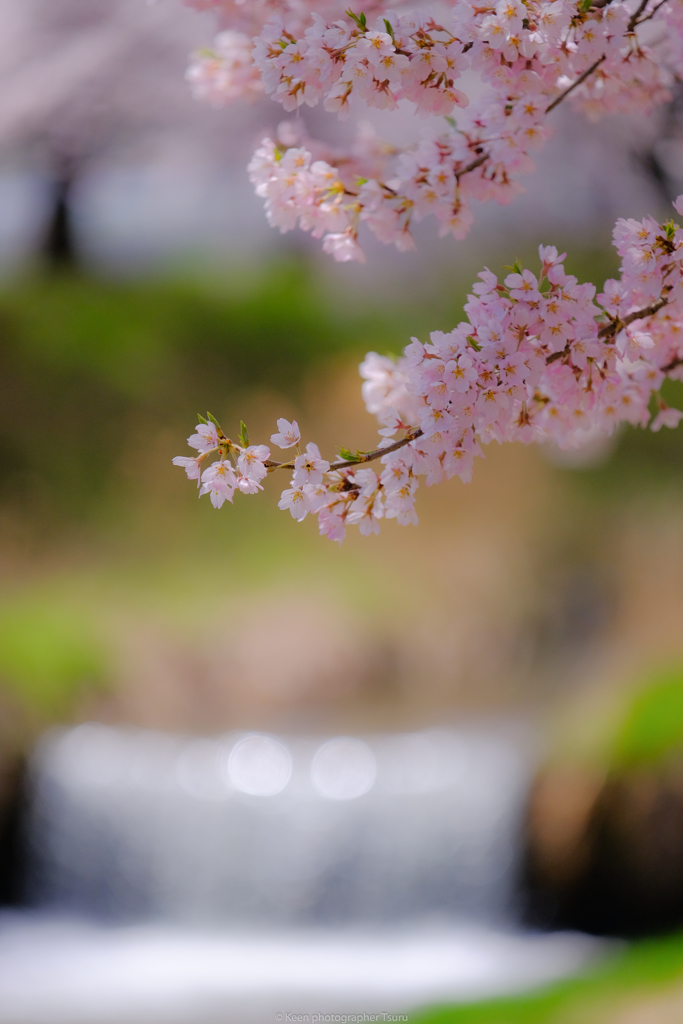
652	13
556	102
471	167
636	14
574	85
365	457
379	452
614	326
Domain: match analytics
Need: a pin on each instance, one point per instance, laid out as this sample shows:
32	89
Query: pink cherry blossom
288	434
542	359
523	286
522	58
226	72
666	417
332	525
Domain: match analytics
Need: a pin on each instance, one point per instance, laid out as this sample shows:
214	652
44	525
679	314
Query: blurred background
504	684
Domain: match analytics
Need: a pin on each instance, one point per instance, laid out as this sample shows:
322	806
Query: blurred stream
230	879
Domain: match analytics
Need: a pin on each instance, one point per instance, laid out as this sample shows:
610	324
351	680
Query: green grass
652	727
49	652
640	970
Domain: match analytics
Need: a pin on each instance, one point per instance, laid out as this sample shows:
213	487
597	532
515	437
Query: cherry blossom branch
611	329
607	330
312	55
473	166
533	363
361	457
641	21
614	326
589	71
579	81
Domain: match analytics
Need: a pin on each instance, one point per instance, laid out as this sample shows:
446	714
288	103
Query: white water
198	881
63	972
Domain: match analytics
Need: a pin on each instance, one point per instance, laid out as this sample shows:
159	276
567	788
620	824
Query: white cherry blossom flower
205	437
219	481
318	496
250	462
309	468
192	466
344	247
297	501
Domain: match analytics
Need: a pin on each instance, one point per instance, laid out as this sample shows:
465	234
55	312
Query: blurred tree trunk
59	250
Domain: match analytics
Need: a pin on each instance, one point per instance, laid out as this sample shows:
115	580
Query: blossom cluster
540	358
521	57
225	72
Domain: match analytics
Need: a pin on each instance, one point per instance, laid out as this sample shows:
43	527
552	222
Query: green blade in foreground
641	970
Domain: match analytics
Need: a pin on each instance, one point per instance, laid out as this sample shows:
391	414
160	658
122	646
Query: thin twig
365	457
471	167
574	85
379	452
652	13
582	78
636	14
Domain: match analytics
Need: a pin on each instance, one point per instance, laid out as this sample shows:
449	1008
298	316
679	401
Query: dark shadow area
13	814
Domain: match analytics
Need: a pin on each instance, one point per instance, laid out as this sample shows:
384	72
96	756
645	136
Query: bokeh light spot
259	765
343	769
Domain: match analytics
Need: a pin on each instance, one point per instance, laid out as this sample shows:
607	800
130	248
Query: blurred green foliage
652	727
637	972
48	655
83	362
